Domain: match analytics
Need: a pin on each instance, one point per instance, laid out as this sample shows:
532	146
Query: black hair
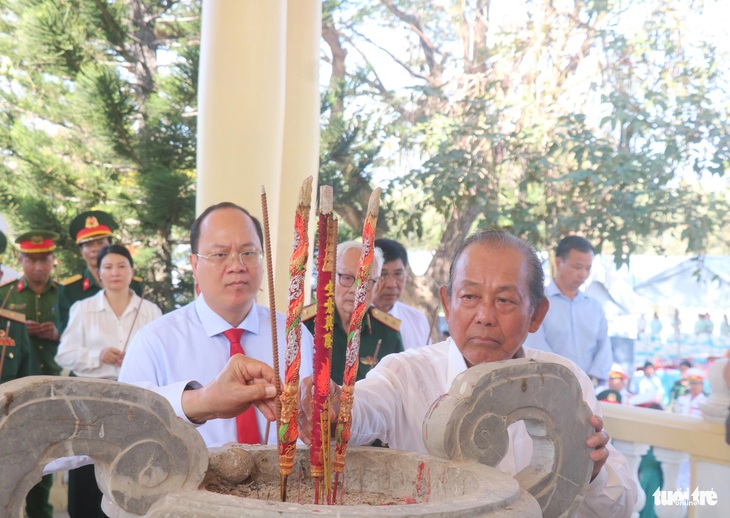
573	243
195	228
114	249
686	363
500	238
392	250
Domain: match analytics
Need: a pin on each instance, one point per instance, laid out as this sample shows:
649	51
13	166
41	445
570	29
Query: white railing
676	439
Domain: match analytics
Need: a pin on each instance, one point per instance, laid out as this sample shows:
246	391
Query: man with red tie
189	348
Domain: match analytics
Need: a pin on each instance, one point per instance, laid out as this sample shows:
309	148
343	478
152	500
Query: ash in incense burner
149	463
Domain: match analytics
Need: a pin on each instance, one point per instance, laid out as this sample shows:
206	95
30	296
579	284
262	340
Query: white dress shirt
93	326
392	401
414	329
188	345
686	405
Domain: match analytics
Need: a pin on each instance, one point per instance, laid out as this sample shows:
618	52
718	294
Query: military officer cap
3	245
90	225
37	242
695	375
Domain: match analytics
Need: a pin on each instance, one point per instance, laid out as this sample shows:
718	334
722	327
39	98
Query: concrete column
301	135
671	464
258	120
240	101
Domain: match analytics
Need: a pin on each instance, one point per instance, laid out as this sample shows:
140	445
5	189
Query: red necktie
248	428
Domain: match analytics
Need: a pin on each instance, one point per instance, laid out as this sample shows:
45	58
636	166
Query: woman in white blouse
100	327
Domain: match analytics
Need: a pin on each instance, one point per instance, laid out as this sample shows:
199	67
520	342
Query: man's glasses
248	258
346	281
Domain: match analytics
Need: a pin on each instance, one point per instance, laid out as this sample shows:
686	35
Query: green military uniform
84	496
39	307
680	388
19	359
377	326
85	227
80	287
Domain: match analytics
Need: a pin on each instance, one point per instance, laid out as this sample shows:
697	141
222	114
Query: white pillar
633	453
258	112
301	135
240	101
671	463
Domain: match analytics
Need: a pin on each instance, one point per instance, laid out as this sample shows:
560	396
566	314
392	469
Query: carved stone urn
149	463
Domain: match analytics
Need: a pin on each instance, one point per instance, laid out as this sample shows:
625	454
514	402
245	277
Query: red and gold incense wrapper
323	327
352	357
288	429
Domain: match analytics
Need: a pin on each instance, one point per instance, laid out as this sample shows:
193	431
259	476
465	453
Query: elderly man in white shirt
495	297
415	329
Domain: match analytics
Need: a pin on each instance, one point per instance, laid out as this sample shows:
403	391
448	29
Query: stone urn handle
141	450
470	423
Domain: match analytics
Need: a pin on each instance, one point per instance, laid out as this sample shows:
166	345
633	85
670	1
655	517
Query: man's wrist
192	405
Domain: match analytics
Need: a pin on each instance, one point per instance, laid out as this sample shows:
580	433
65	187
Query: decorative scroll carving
470	423
142	451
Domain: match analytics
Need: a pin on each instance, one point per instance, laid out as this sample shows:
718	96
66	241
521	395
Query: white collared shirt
93	326
414	329
392	401
187	345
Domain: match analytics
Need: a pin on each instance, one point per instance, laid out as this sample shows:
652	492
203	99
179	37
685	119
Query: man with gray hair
493	299
380	333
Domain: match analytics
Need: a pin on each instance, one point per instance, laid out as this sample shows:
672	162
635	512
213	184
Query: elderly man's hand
242	383
598	442
306	391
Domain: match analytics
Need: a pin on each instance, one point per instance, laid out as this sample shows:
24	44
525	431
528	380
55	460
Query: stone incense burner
149	463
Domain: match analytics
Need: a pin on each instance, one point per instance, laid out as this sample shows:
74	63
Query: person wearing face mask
92	231
380	333
576	326
93	345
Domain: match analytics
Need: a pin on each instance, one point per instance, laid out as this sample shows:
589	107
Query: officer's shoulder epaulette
309	312
70	280
137	278
12	315
385	318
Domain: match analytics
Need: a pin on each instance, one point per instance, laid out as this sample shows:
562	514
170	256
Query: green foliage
93	116
556	120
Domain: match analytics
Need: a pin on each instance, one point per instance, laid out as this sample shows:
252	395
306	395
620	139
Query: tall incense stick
272	302
288	428
352	357
323	328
